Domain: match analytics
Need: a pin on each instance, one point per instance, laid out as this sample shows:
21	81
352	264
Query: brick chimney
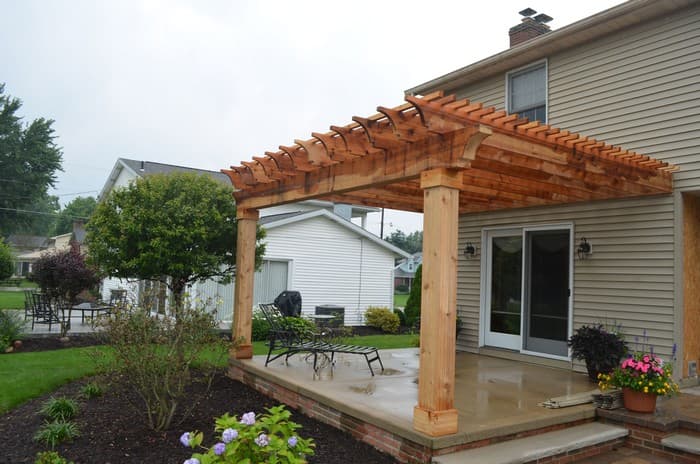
529	27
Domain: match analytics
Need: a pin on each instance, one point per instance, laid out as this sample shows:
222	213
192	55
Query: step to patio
537	446
682	442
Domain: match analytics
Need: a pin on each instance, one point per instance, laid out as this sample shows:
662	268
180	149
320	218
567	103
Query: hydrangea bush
270	438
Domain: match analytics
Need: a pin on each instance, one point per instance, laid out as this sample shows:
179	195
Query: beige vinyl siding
628	279
490	92
639	89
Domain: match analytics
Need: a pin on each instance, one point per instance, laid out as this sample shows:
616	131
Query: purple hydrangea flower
262	440
191	461
185	439
229	435
292	442
248	418
219	449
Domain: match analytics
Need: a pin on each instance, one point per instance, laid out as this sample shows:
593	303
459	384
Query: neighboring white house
27	249
313	247
405	270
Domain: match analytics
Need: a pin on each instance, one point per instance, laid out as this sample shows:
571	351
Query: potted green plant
601	349
642	377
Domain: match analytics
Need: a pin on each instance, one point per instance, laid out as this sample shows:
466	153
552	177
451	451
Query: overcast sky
208	84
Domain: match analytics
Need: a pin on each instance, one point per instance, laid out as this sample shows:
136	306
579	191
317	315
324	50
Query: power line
39	212
75	193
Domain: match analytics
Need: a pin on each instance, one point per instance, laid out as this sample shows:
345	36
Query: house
628	76
22	245
312	247
405	271
28	248
584	211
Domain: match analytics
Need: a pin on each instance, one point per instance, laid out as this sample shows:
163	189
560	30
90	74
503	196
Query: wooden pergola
443	157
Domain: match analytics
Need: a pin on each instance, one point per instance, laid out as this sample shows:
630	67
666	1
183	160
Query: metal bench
287	340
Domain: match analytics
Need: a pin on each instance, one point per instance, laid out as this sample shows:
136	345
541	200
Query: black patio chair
287	340
28	304
117	299
43	311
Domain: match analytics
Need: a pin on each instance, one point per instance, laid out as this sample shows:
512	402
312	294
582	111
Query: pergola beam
405	162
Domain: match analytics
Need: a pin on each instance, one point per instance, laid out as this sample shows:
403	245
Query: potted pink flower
642	377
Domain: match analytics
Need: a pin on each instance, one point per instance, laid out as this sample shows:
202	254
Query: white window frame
527	67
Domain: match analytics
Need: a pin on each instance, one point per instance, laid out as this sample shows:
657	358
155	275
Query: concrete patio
77	327
495	398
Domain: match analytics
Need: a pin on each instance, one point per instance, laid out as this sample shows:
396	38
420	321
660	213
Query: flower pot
637	401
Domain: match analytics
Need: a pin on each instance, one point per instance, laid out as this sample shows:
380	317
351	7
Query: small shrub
601	349
412	308
51	457
11	327
53	433
415	341
382	318
271	437
59	409
402	289
154	356
7	264
91	390
299	325
402	316
261	328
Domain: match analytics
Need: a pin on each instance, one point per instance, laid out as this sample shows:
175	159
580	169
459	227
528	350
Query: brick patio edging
647	431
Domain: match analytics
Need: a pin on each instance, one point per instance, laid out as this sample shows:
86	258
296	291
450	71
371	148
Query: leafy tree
176	229
412	309
63	274
42	218
29	160
7	265
411	243
79	208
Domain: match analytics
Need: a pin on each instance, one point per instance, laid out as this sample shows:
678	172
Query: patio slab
494	397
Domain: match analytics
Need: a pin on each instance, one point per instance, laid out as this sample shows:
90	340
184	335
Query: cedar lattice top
421	131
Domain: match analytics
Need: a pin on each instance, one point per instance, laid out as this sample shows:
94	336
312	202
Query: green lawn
24	376
27	284
11	300
27	375
400	300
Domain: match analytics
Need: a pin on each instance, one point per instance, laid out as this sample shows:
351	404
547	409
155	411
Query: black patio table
92	307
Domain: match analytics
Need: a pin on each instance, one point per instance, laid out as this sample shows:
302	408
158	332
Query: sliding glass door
504	284
528	290
546	308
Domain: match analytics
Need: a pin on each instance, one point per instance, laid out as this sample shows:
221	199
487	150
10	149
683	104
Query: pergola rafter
505	157
443	157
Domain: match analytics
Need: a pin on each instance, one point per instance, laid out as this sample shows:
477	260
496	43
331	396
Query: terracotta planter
638	401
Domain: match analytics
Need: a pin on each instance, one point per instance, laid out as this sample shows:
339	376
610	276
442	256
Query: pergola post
435	414
245	274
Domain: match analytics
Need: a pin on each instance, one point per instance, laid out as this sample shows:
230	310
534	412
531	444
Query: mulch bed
112	434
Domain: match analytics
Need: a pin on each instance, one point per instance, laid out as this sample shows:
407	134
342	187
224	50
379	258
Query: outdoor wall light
584	249
469	250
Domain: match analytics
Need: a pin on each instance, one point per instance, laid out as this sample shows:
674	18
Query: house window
527	92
